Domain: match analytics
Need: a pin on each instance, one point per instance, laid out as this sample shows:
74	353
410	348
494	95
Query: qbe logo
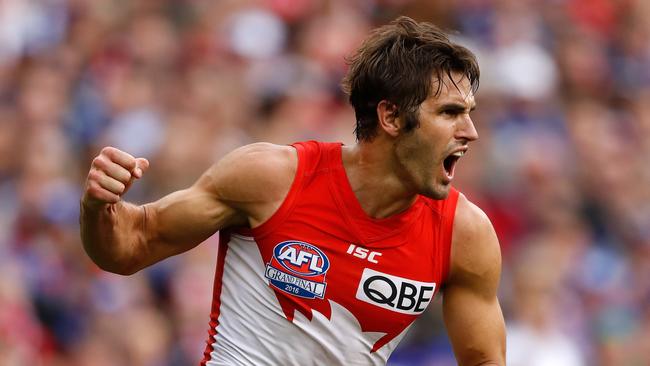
298	268
394	293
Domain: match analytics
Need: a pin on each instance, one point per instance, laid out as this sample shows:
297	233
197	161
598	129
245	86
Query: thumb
141	165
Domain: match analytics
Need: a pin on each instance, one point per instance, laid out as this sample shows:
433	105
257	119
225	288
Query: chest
384	285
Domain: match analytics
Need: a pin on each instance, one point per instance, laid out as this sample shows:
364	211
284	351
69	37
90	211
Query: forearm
112	235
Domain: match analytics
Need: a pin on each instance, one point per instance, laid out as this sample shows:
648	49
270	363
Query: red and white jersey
321	282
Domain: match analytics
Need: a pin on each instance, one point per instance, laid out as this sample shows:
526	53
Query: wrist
90	206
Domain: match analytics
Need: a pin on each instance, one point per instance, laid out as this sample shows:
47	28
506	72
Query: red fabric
322	210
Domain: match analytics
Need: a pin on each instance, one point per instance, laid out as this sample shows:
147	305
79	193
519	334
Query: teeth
458	154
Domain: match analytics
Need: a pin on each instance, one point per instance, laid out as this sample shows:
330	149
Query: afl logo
298	268
301	258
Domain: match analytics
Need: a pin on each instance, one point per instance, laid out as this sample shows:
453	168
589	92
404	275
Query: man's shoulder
261	154
470	221
260	158
259	172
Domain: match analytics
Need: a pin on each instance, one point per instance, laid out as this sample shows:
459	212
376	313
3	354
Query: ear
388	118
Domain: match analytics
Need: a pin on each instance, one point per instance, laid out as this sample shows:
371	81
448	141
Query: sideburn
411	122
406	153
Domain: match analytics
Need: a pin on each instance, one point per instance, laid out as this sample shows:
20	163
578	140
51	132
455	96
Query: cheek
407	148
418	156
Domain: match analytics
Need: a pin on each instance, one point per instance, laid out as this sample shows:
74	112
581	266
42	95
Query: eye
450	112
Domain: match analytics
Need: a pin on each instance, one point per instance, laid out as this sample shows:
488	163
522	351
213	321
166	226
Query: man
328	253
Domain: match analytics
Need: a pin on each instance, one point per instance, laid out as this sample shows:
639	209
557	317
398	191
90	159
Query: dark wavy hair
396	63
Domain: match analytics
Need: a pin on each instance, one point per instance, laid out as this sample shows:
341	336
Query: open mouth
449	164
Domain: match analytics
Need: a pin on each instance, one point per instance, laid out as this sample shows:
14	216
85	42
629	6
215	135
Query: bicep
244	187
471	309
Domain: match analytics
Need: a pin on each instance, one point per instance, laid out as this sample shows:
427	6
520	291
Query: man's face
428	154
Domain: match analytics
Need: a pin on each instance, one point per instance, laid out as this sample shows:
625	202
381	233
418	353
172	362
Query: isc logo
363	253
394	293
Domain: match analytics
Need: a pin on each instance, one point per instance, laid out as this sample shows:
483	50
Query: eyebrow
455	107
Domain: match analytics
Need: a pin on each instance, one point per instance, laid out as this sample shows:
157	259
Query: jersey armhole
287	204
447	229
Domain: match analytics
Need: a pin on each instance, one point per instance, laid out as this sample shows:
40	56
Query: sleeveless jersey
321	282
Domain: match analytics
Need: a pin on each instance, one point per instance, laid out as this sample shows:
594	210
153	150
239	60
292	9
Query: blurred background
562	167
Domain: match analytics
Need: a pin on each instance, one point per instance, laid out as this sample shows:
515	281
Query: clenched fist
111	174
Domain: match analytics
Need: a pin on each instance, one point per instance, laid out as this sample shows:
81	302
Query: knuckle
93	175
94	191
98	162
90	184
106	151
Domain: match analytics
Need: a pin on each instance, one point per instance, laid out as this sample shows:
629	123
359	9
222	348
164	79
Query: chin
439	192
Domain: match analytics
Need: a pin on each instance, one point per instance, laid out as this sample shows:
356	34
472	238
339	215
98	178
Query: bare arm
124	238
471	309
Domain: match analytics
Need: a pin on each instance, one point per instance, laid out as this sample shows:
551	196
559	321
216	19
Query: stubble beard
417	168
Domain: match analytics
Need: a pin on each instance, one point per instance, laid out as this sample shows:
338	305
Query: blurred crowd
562	166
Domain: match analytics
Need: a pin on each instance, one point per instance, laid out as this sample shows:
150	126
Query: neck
375	179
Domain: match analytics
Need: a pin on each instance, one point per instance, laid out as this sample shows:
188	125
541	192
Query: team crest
298	268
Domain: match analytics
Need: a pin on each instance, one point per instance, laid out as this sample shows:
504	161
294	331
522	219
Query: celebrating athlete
328	252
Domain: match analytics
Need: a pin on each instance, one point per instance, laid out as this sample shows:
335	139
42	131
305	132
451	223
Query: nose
466	130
